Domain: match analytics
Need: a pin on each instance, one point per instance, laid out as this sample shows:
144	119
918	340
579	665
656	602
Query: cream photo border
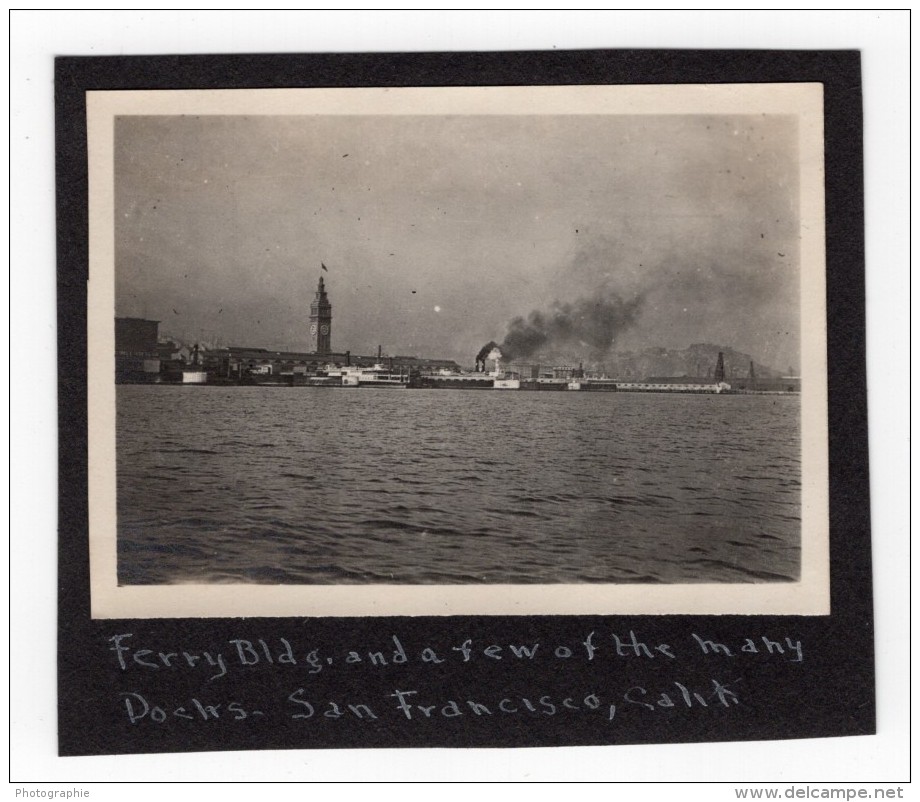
809	596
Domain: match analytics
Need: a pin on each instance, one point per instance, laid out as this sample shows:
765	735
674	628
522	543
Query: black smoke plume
486	350
483	355
590	323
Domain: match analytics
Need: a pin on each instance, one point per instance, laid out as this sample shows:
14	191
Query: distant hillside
697	360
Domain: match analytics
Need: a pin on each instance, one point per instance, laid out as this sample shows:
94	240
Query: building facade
137	358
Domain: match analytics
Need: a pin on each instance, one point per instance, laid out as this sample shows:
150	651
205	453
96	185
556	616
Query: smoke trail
486	350
588	323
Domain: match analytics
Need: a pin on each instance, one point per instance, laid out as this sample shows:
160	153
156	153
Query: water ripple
308	485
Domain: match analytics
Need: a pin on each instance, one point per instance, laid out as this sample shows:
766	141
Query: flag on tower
324	267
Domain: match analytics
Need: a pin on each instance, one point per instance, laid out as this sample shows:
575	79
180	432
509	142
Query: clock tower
321	321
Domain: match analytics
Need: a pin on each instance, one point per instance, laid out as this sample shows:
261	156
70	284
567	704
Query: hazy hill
697	360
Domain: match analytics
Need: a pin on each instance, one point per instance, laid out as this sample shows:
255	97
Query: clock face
312	328
324	329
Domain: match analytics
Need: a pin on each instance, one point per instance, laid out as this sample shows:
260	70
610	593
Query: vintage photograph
558	348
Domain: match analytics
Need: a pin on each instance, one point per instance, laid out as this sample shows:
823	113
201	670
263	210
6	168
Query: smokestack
348	358
379	352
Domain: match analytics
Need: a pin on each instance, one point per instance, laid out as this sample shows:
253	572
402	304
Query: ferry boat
377	376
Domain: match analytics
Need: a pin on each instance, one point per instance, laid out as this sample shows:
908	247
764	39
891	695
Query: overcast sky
437	231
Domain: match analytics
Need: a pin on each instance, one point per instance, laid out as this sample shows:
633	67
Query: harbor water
376	485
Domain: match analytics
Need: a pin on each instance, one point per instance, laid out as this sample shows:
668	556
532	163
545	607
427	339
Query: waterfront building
137	358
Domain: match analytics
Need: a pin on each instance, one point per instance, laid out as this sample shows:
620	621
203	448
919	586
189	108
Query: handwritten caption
135	659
